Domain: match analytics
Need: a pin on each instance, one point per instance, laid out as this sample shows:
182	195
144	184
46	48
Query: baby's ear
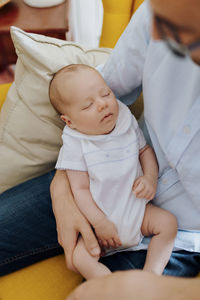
66	120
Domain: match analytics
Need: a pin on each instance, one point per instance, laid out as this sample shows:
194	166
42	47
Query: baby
112	171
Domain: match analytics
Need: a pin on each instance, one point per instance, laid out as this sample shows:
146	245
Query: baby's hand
145	187
107	234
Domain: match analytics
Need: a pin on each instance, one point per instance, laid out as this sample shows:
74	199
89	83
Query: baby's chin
100	132
110	130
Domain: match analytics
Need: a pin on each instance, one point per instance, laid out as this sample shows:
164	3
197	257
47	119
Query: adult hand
69	220
137	285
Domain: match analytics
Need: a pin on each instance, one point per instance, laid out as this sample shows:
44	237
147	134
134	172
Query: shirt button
107	155
164	181
187	129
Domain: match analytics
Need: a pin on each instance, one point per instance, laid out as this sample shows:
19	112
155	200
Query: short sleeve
139	134
71	155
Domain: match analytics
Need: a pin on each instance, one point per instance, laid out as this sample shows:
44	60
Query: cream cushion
30	129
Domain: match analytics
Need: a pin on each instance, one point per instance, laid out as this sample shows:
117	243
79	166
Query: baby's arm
105	230
145	186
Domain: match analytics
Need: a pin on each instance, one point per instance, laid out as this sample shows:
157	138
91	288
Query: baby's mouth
107	117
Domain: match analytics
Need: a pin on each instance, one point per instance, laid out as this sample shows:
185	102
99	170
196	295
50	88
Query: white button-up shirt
171	90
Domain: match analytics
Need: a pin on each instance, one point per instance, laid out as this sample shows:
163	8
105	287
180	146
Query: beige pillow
30	129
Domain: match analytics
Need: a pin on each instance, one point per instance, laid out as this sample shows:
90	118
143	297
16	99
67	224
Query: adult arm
70	221
123	71
104	228
140	285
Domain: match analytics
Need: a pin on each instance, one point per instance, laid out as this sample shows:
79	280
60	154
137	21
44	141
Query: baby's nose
102	104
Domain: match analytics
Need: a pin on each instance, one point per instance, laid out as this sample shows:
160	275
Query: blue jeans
28	233
181	263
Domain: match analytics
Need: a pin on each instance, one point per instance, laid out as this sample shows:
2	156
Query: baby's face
93	108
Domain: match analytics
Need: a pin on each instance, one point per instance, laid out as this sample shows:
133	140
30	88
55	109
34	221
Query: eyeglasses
173	42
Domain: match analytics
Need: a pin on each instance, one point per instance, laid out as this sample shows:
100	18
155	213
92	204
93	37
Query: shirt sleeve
71	156
123	71
139	134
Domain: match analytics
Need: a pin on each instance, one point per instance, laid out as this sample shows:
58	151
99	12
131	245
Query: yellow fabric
3	92
137	3
46	280
117	14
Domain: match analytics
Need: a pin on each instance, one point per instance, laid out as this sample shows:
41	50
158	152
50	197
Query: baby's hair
54	93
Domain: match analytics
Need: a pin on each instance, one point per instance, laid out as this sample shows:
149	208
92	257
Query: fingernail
95	251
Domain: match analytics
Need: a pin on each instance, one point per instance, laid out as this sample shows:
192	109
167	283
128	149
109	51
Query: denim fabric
181	263
27	225
28	233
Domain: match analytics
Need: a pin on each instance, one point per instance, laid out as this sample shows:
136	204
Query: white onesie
112	162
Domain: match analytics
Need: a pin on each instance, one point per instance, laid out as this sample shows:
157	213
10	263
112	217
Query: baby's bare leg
163	226
87	265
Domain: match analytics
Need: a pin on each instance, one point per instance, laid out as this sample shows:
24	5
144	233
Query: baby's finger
115	245
146	193
111	243
149	196
138	189
142	195
105	243
117	241
116	238
135	184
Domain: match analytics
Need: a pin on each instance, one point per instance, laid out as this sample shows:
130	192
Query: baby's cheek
91	123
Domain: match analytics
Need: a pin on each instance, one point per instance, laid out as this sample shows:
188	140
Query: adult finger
90	240
68	247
